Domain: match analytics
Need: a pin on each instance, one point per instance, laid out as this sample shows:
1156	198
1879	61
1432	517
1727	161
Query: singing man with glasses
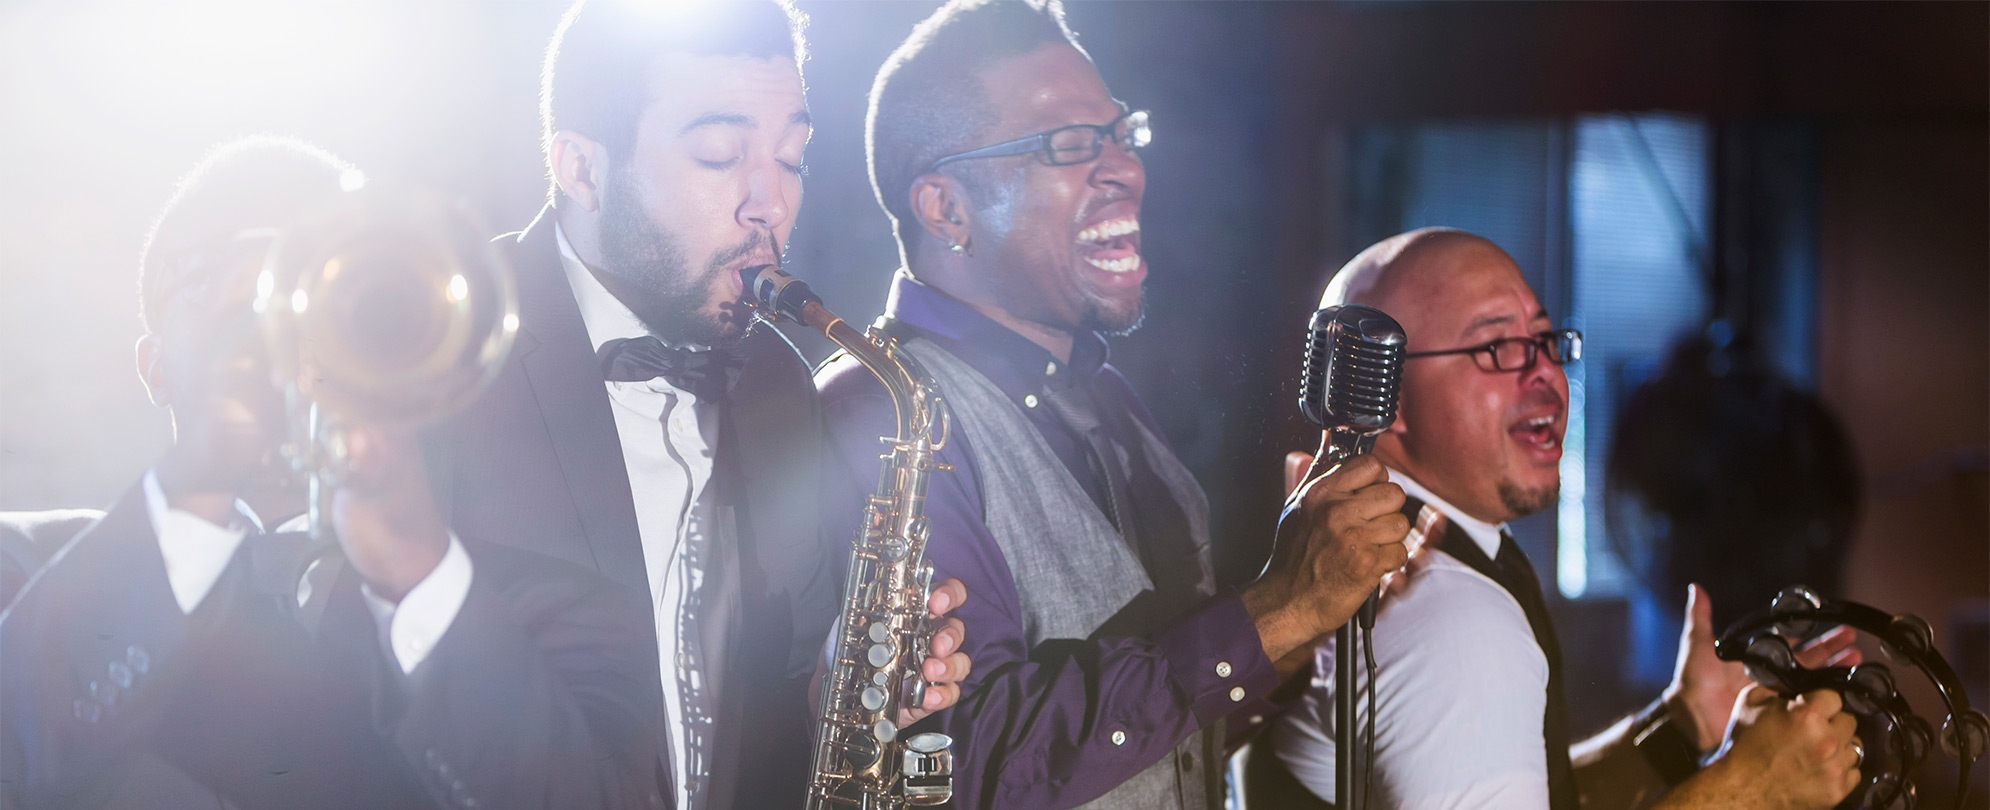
1469	709
1105	660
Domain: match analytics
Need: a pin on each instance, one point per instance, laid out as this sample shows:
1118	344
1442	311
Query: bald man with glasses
1468	705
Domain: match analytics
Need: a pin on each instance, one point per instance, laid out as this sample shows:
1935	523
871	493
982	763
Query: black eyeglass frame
1550	343
1139	134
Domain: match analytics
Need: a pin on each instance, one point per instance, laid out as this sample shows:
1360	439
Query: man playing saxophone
176	654
641	429
1105	660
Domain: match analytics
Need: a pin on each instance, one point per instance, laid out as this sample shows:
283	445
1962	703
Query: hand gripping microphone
1351	381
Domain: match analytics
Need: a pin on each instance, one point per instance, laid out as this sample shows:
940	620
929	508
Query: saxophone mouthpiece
771	290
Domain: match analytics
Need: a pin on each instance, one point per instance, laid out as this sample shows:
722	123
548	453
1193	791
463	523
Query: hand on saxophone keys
945	665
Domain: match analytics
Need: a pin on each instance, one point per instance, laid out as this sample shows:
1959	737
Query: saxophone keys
872	698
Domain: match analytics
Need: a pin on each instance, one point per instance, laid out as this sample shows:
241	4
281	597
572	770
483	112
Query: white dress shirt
1460	689
668	437
196	552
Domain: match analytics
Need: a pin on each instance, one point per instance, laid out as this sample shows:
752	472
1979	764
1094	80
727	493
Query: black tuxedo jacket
29	539
536	463
533	698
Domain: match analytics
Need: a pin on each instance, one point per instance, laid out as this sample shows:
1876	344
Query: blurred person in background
1721	472
173	652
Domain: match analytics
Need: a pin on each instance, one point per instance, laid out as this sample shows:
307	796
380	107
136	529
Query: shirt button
1119	738
1236	694
1050	368
1029	400
1256	719
1222	669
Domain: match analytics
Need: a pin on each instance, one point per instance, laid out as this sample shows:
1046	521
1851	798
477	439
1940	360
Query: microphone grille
1354	367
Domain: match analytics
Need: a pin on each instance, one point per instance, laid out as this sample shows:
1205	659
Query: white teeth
1109	229
1120	265
1540	421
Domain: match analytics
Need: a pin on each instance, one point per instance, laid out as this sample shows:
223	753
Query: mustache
1537	398
753	243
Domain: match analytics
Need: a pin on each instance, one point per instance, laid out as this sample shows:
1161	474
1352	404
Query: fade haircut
596	79
261	181
928	101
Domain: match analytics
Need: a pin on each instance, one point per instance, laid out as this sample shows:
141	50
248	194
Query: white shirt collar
161	513
1483	533
605	316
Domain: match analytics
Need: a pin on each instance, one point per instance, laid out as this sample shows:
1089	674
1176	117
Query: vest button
1119	738
1236	694
1222	669
1029	400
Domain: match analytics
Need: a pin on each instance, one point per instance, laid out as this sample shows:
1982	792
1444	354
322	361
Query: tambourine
1893	739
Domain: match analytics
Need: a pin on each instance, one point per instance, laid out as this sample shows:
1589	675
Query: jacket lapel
558	360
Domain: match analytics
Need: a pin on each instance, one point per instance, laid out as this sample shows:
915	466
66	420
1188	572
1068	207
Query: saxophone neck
773	294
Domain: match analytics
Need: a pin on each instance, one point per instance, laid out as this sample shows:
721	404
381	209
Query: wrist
1280	628
1680	710
1665	740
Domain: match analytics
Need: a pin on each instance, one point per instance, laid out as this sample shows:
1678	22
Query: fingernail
940	602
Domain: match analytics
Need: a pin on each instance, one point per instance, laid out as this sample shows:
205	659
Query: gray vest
1072	569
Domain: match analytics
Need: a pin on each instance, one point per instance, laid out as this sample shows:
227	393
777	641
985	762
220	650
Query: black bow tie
708	375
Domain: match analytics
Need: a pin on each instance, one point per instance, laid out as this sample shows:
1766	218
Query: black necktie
707	374
1074	408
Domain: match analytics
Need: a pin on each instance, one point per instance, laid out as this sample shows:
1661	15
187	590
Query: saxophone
882	633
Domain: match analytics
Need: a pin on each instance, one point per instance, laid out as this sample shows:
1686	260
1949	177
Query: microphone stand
1343	445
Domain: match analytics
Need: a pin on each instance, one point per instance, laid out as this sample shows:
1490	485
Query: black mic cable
1349	387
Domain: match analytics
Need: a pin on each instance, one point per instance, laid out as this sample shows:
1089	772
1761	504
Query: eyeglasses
1067	146
1517	353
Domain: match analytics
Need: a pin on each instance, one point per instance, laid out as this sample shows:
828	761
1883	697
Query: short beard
1520	502
653	271
1116	324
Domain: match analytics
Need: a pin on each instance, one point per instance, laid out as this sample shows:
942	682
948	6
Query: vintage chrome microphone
1349	388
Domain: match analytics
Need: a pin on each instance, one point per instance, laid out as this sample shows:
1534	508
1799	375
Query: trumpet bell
391	307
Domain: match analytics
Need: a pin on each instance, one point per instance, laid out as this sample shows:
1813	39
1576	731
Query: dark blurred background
1800	190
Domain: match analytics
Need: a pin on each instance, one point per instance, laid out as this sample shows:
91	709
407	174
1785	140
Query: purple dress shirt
1063	723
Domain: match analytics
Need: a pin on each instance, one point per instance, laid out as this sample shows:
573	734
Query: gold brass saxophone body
882	631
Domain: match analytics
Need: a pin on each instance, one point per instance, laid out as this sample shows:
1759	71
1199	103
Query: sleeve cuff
413	627
1216	658
195	551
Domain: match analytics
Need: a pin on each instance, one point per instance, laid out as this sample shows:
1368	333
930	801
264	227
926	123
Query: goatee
1523	501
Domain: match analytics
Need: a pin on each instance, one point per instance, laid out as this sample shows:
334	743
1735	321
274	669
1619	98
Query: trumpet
390	308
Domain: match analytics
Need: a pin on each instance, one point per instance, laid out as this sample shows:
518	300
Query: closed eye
796	169
719	164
